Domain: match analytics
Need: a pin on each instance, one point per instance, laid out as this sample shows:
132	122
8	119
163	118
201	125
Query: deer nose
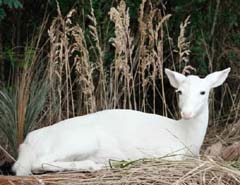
187	115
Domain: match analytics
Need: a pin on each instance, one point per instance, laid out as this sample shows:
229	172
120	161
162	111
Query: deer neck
200	122
196	128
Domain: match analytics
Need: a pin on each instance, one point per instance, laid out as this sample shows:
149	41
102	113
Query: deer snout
187	115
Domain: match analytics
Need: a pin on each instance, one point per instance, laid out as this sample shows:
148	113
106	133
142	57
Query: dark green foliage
8	116
37	98
9	110
10	4
22	102
213	22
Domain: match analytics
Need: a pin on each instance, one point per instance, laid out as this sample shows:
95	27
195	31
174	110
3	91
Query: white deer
89	142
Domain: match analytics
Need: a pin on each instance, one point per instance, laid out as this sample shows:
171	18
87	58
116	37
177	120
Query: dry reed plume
131	78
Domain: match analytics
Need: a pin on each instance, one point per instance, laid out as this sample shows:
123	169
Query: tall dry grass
129	82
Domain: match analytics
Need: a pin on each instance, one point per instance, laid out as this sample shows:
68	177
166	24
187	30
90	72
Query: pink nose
187	115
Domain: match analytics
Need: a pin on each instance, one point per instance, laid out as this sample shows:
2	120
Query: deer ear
217	78
175	78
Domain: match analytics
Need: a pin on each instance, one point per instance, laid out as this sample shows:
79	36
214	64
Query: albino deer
89	142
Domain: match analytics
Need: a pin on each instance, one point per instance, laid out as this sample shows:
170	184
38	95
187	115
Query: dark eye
179	92
202	92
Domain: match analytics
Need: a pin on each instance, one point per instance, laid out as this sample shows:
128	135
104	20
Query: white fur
89	142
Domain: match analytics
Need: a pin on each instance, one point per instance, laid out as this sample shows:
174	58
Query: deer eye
179	92
202	92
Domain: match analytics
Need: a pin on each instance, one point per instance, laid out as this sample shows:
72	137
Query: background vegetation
59	60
